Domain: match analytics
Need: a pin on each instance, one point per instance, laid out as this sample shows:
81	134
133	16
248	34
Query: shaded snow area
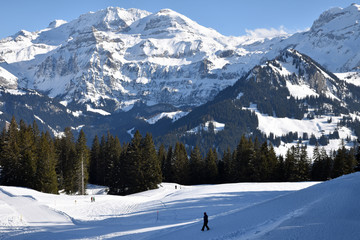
318	126
306	210
205	127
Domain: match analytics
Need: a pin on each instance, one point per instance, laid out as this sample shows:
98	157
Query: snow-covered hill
237	211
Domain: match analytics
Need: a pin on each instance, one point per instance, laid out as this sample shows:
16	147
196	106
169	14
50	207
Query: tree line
36	160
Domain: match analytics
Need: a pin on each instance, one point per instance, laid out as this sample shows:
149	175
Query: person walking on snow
205	222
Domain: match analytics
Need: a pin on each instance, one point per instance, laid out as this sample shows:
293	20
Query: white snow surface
205	127
317	126
350	77
99	111
7	80
305	210
172	115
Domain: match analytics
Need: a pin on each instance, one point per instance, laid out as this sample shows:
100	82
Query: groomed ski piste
305	210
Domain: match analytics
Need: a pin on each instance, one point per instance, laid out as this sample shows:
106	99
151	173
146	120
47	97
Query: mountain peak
56	23
111	18
338	18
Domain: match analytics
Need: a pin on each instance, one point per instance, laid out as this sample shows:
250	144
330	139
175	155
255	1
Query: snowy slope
237	211
317	126
7	80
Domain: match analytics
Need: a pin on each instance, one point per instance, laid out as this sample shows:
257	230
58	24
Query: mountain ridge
130	69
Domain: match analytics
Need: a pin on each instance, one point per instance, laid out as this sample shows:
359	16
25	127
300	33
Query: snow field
317	126
305	210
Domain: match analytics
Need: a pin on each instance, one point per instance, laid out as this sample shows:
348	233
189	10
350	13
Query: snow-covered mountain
287	100
332	40
128	56
130	69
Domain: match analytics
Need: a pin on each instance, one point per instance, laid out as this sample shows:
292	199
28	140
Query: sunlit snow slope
327	210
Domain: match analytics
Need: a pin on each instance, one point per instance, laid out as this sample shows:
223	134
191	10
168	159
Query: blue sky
229	17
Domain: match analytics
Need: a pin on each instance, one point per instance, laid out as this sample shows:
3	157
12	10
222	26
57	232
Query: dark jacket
205	218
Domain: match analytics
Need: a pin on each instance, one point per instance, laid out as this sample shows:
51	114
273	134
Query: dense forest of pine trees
36	160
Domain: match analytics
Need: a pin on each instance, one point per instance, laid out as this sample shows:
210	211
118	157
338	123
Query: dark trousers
205	225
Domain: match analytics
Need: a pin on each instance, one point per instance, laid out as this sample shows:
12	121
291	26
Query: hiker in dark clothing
205	222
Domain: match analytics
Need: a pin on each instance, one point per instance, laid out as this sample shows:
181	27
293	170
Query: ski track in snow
253	211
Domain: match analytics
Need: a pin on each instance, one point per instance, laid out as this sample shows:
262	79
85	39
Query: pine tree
27	158
196	167
161	154
257	163
211	171
303	165
280	171
244	153
290	165
46	178
228	166
10	156
327	163
67	167
94	161
132	166
168	169
272	164
180	164
81	164
344	162
350	164
102	162
316	170
150	164
114	165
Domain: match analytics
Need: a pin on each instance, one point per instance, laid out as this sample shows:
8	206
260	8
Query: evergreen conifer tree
168	169
94	161
132	166
180	164
67	162
244	153
196	167
10	156
81	164
27	157
150	165
228	166
161	154
46	178
114	168
211	171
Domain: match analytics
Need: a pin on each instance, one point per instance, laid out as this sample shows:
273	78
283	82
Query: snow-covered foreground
306	210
